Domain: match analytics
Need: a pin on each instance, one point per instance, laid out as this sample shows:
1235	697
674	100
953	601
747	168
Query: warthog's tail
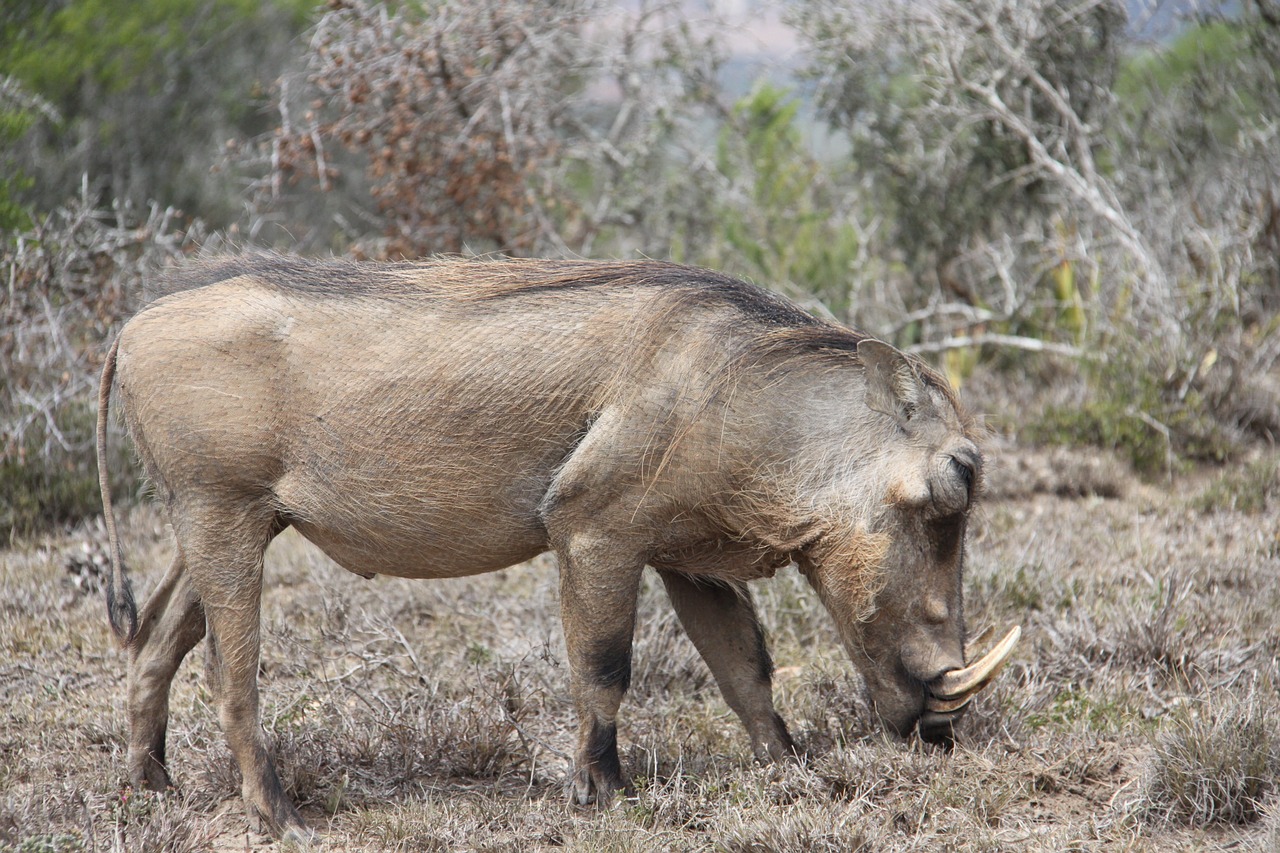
122	611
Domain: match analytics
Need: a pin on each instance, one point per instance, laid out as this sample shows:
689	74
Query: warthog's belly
419	527
422	556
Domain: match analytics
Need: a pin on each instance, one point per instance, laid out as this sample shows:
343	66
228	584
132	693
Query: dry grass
1141	712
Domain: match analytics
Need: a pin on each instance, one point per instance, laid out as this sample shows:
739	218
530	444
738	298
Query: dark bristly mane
333	277
785	329
696	285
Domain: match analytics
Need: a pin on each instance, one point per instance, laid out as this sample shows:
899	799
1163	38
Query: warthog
453	417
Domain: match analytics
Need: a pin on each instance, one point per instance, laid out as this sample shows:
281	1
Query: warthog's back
411	419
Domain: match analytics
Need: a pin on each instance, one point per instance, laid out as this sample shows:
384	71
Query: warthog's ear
893	386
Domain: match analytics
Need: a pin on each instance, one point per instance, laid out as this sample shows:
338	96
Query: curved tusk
946	706
964	683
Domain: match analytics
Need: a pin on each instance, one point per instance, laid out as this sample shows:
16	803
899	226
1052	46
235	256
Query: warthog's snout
949	695
932	706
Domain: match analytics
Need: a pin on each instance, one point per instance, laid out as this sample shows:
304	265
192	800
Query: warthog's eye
965	472
952	483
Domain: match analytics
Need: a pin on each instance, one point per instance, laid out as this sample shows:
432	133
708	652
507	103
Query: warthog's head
890	569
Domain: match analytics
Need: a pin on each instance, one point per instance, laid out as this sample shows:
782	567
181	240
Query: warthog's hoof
288	826
588	788
146	773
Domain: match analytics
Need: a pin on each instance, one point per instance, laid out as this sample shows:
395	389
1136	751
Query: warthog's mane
781	327
490	280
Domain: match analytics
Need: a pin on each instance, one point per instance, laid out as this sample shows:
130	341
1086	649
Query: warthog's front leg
721	620
171	624
598	594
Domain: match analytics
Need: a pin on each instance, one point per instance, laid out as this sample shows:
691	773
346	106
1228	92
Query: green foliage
14	122
1153	446
910	91
1140	416
1076	705
1109	424
57	48
1185	80
1071	315
782	227
63	843
145	92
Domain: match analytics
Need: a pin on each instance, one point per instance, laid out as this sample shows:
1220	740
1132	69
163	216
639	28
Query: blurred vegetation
143	94
69	282
1022	187
14	123
1052	182
62	486
1216	765
780	224
1254	490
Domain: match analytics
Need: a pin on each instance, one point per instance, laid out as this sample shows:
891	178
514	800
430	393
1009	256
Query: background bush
142	96
1033	188
70	282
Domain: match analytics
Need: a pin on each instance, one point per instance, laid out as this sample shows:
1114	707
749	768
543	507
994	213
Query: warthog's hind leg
224	548
172	623
721	620
588	512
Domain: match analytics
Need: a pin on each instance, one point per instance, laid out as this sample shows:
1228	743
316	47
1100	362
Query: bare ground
1141	712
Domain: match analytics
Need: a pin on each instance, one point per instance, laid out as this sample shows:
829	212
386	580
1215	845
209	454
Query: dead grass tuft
1216	761
1254	489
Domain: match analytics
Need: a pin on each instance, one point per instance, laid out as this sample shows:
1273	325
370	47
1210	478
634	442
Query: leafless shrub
445	110
529	128
639	141
977	121
68	284
1024	189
